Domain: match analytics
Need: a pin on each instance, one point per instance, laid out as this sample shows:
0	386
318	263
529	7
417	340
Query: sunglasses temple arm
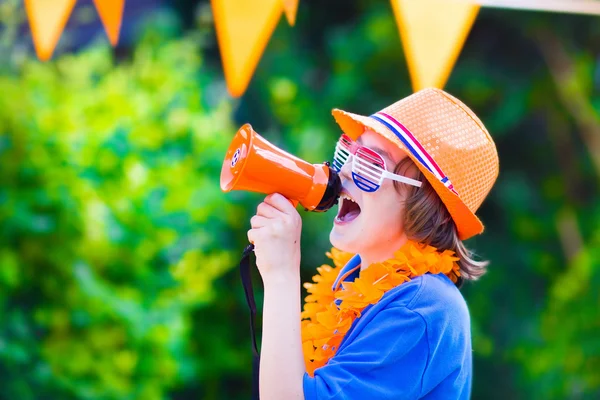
403	179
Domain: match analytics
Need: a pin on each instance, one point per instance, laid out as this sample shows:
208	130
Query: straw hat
446	141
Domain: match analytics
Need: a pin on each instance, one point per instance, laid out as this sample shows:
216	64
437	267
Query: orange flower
340	258
311	310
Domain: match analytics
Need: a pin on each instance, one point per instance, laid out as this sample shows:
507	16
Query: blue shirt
415	343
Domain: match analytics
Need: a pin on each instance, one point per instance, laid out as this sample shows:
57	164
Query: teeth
345	196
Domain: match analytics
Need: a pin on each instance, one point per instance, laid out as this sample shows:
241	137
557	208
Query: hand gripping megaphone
253	164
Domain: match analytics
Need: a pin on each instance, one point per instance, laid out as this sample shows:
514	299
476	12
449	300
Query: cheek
384	211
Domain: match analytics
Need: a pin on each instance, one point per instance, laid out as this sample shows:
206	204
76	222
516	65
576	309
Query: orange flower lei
324	324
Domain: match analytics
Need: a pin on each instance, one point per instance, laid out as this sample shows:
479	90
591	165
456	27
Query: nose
346	171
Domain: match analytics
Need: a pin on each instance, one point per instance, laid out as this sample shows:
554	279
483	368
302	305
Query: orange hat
446	141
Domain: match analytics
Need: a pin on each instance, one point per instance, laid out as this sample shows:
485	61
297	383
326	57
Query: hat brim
467	223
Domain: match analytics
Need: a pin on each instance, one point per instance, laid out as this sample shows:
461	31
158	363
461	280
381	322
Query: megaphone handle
294	202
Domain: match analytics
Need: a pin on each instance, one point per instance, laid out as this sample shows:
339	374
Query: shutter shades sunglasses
368	167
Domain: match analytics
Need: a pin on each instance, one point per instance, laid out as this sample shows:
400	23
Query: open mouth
349	209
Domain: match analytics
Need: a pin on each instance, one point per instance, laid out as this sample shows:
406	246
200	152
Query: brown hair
426	220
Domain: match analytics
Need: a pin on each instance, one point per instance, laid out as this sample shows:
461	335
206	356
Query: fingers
268	211
280	203
252	235
258	221
274	217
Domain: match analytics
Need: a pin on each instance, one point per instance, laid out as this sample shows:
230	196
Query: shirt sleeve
386	359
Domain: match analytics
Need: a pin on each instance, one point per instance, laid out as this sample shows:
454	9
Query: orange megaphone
255	165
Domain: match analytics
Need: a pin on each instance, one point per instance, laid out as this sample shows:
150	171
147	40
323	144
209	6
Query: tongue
349	211
351	215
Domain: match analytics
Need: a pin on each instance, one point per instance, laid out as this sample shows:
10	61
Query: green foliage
112	223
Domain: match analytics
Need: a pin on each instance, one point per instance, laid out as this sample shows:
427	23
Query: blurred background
118	251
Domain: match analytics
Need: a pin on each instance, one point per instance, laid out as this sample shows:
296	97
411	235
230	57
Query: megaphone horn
254	164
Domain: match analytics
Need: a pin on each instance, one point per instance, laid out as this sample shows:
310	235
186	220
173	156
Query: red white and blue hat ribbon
413	145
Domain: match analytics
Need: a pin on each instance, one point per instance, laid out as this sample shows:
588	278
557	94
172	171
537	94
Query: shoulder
430	305
435	299
429	290
431	300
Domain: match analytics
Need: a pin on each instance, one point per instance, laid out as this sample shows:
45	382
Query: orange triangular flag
291	8
111	14
243	30
433	33
47	19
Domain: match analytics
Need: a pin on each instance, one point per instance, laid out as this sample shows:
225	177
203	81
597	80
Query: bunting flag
243	30
47	19
433	33
291	8
111	14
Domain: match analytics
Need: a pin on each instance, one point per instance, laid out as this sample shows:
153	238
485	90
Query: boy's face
370	224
